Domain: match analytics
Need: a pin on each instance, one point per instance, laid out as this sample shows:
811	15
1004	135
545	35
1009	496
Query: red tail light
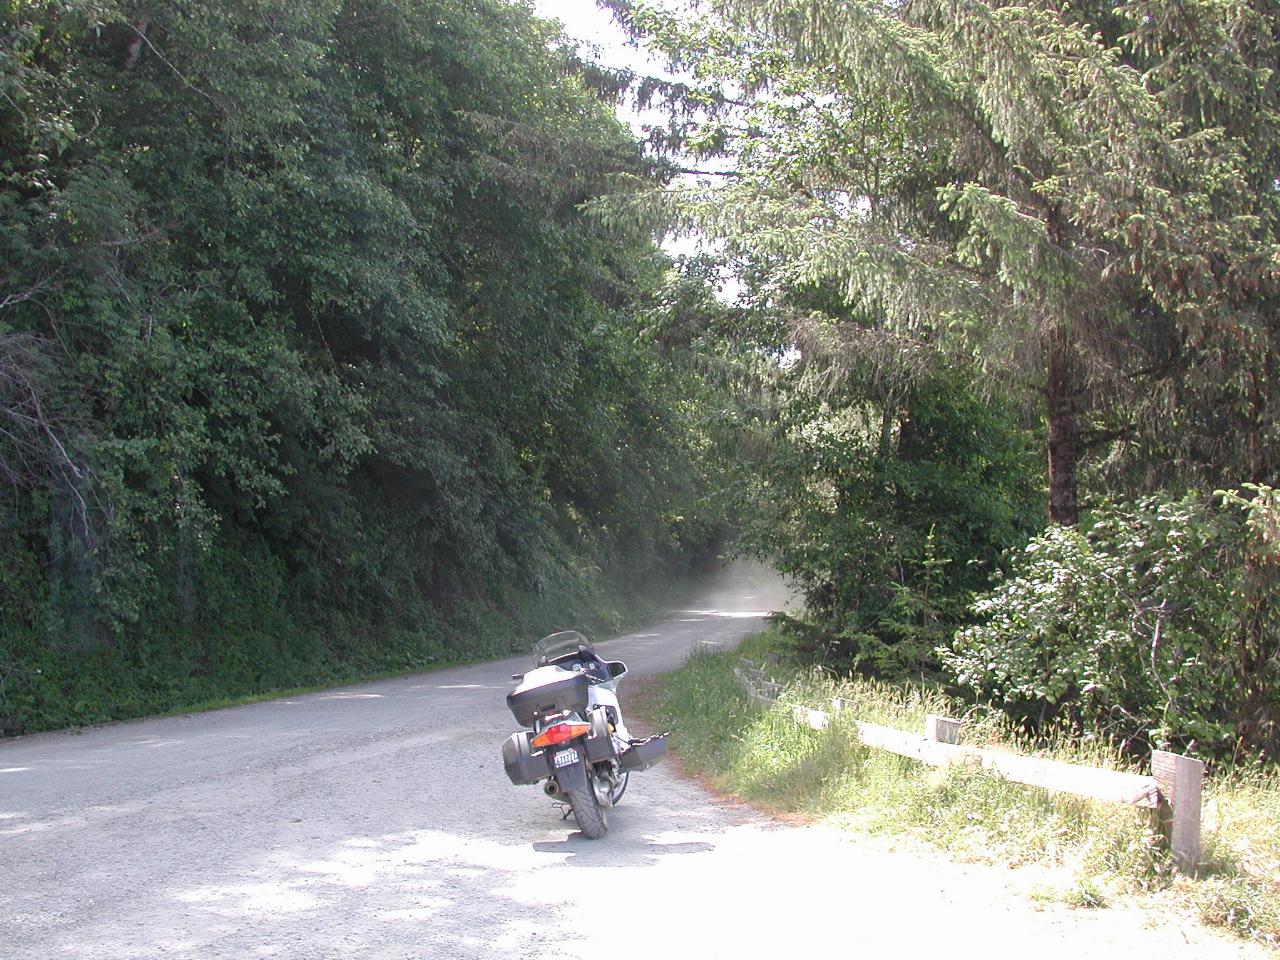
559	733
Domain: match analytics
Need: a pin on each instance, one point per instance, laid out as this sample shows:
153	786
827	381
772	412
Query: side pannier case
523	763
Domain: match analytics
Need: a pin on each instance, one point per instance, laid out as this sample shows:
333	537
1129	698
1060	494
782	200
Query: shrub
889	519
1154	627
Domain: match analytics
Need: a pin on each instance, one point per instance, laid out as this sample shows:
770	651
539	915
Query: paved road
376	822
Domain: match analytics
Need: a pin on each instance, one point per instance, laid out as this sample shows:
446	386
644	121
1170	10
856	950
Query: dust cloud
745	588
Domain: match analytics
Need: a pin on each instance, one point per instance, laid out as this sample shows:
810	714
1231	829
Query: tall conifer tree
1081	194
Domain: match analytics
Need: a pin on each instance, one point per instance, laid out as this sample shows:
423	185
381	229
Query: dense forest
335	338
1013	266
310	364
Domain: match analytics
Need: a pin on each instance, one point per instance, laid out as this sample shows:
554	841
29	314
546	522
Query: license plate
566	757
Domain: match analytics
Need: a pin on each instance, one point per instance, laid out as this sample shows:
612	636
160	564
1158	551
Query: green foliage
1080	196
1079	199
1155	627
309	363
890	519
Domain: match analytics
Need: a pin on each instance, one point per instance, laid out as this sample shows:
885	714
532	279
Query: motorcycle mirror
517	677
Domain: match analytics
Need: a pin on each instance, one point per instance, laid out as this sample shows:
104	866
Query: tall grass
1102	851
1239	884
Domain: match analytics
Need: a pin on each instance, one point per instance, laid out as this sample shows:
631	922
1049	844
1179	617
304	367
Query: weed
1087	895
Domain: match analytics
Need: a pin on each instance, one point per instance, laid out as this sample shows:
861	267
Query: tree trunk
1061	405
134	49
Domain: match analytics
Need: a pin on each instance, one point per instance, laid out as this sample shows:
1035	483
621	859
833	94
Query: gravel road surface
376	821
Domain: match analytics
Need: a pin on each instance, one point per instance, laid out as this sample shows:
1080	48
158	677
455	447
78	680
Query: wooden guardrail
1173	792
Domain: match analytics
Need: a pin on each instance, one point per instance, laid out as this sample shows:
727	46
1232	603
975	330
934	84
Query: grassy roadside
1094	853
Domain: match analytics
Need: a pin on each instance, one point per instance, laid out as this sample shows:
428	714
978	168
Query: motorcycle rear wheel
593	819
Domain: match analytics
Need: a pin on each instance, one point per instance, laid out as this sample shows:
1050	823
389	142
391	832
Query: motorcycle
577	740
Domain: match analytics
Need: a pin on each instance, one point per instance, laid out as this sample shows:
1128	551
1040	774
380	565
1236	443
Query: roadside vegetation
1080	852
311	366
1011	405
1018	431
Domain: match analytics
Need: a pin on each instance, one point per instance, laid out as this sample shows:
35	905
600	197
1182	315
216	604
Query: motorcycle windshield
566	643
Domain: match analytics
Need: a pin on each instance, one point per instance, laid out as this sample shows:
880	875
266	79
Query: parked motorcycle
577	741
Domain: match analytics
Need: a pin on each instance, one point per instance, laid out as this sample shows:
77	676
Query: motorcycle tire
593	819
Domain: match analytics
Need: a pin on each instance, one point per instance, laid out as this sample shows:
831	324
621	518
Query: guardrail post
1181	782
942	729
